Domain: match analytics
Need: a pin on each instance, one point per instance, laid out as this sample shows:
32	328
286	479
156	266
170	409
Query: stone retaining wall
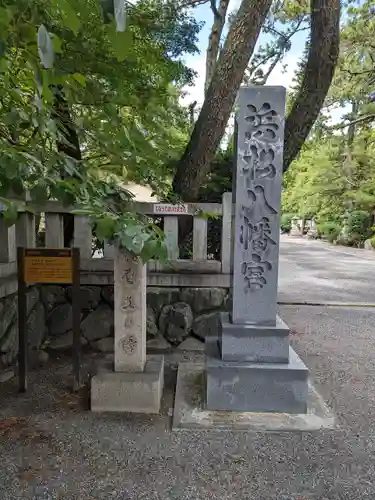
173	315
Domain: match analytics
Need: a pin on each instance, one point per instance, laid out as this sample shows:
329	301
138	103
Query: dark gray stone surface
104	345
190	412
249	364
253	343
203	299
151	324
60	320
158	297
99	323
258	387
175	322
89	296
206	325
257	195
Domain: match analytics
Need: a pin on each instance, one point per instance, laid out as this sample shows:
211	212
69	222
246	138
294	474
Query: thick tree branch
317	78
192	3
358	73
210	127
214	38
360	119
214	9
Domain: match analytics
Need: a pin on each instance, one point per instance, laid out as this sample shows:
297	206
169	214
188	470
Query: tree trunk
70	147
220	97
320	66
351	128
214	39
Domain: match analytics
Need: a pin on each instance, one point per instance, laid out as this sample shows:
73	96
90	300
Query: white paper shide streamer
45	47
120	14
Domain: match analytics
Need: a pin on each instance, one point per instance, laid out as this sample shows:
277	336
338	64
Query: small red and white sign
169	209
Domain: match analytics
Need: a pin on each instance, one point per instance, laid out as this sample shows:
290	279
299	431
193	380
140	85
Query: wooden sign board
169	209
48	265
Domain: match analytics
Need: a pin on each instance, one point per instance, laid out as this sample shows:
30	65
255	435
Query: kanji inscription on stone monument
258	193
250	365
130	320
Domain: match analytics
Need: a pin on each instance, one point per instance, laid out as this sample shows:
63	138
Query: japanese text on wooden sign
168	209
48	265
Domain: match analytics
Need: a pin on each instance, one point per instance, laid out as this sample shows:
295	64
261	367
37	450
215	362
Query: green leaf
10	215
80	79
132	231
105	228
83	211
39	193
47	92
45	47
121	43
70	18
149	251
33	159
57	44
136	245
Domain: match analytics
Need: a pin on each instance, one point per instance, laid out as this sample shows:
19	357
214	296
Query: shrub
359	226
329	230
286	223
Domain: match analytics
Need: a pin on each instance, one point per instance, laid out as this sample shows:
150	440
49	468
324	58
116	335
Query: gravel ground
51	447
317	272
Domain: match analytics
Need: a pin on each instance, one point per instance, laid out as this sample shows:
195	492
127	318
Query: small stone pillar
250	365
130	313
295	231
313	230
136	384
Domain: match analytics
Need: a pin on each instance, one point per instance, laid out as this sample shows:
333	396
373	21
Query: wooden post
8	251
25	230
171	236
108	251
54	231
83	236
76	305
226	234
199	239
22	331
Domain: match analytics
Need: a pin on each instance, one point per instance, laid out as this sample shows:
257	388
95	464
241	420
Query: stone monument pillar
250	365
295	231
136	385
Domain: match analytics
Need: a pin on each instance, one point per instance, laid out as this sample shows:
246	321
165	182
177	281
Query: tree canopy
334	177
89	102
104	110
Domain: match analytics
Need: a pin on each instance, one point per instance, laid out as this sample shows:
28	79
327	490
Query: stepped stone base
253	343
136	392
190	412
258	387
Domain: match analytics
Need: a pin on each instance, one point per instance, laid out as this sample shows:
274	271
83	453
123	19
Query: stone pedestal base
253	343
136	392
258	387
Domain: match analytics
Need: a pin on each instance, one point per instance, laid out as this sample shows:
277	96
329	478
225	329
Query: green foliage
359	225
333	178
106	113
286	222
329	230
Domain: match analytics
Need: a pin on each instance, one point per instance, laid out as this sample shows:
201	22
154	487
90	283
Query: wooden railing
197	271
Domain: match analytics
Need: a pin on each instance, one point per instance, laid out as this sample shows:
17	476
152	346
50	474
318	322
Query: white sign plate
169	209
